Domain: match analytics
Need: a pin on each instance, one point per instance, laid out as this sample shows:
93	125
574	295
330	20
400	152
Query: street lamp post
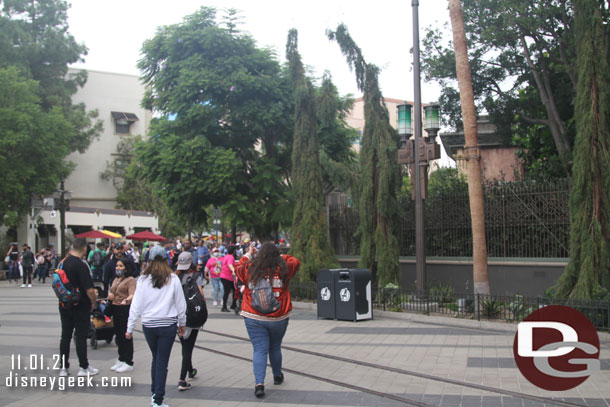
63	204
420	247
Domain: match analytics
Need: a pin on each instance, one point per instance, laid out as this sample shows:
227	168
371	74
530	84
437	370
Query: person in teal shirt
96	261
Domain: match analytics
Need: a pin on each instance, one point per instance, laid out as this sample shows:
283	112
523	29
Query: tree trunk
472	152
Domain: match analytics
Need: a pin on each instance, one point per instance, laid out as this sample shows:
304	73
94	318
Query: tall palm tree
472	153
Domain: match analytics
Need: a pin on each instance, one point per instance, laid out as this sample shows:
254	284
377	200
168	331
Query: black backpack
97	260
196	309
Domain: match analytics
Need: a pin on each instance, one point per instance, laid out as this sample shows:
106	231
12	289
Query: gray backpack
263	299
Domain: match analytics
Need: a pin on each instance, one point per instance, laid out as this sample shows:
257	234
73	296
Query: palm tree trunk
472	152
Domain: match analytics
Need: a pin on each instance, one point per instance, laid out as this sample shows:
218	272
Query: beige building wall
106	92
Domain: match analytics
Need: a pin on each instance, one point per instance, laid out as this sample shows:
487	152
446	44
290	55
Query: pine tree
380	172
587	274
310	242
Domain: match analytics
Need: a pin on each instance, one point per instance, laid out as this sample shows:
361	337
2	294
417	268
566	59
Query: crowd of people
27	265
160	285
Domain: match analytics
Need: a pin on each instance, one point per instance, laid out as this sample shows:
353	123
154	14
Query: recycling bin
353	300
325	282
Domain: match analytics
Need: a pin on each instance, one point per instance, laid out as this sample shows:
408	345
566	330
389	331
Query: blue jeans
217	285
13	270
266	338
160	341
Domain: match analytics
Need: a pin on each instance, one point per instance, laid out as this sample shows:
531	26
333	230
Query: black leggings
27	273
187	353
120	315
229	288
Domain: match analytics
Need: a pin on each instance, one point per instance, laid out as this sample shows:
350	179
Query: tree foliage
587	275
26	159
380	174
136	192
309	224
35	51
231	103
229	97
522	59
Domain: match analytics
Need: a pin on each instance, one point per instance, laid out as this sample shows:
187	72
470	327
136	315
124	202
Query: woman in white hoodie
159	301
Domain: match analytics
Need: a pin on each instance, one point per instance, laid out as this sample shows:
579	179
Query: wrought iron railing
522	219
470	306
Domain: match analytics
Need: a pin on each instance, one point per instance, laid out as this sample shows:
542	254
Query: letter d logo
526	339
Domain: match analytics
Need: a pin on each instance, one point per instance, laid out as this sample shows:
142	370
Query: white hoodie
158	307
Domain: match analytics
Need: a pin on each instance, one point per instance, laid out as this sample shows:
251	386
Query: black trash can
326	293
354	300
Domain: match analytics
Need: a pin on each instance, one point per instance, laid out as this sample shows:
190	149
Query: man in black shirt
27	262
76	318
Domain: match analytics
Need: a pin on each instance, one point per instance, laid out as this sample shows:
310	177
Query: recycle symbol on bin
344	295
325	294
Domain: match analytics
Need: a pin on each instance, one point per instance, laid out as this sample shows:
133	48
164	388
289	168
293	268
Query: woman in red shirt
266	330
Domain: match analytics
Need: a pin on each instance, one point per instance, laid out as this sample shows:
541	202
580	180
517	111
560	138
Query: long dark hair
159	271
268	260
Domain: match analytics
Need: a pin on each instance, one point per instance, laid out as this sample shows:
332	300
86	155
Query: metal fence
445	302
522	219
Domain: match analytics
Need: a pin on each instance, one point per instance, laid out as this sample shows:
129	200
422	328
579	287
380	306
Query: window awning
130	117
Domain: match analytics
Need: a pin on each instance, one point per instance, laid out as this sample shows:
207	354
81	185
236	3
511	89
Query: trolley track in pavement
406	372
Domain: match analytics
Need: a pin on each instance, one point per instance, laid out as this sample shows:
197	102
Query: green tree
136	192
31	139
587	275
35	45
310	241
34	38
230	98
522	57
380	174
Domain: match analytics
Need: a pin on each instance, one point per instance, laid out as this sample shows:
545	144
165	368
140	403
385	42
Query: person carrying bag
266	307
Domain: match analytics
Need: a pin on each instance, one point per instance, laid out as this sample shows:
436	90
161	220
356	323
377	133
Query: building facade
117	98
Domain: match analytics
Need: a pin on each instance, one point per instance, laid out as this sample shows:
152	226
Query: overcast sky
114	31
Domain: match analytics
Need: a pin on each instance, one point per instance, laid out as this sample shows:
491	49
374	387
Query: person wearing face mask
213	268
121	293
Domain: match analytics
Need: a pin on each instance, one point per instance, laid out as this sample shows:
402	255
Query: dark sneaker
232	306
191	375
224	309
278	379
183	385
259	391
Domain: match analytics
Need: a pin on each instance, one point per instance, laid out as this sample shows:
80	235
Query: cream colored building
117	99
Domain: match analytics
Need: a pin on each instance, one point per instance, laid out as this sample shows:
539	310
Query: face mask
187	247
216	254
119	273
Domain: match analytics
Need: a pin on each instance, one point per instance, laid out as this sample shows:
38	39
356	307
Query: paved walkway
29	325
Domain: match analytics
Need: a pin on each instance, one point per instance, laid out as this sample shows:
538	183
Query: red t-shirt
284	293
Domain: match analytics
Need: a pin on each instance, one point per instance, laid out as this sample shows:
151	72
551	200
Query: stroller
238	295
100	326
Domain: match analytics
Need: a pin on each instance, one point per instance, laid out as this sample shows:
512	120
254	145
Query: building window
123	121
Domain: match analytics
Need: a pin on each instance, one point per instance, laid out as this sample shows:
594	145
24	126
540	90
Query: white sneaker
215	303
124	368
29	285
90	371
22	285
221	303
63	372
159	405
116	365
